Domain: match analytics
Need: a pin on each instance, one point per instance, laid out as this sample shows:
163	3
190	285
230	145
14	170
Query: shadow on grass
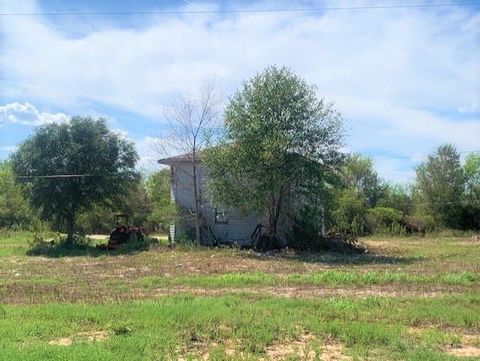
334	257
63	249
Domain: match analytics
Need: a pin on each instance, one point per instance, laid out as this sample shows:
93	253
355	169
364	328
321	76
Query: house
219	225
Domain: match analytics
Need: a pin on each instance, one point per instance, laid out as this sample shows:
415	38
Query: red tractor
123	233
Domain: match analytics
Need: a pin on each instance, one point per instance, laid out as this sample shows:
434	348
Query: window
220	215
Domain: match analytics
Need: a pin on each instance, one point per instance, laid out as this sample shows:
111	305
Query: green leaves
14	208
102	162
440	185
158	191
279	139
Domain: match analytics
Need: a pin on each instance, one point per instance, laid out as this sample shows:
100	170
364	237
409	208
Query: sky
406	80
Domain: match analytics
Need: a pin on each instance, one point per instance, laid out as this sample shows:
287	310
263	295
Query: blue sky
406	80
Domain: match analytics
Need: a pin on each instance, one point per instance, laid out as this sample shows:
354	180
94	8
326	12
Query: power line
413	203
50	176
87	175
237	11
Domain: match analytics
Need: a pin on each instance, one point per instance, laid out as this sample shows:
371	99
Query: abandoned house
219	225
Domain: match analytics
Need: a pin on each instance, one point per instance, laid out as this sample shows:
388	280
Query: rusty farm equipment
123	233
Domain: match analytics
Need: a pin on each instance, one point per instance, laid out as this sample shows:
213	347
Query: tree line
145	199
276	139
444	194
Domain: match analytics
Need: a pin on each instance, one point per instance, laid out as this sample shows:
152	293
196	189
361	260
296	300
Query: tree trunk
274	216
70	229
198	215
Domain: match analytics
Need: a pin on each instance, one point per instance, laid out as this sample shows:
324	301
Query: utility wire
473	201
47	176
235	11
413	203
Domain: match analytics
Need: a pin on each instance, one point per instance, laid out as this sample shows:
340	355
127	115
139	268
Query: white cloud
395	170
121	132
8	148
402	77
149	150
402	130
396	56
29	115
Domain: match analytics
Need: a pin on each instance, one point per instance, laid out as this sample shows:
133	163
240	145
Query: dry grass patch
86	336
464	344
306	347
469	347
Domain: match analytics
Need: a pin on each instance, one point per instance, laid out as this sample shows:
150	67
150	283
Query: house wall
239	226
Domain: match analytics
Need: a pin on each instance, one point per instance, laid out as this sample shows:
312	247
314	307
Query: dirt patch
64	341
467	348
86	336
307	348
198	350
464	351
334	352
298	347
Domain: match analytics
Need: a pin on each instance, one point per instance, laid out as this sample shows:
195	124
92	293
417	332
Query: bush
385	220
419	224
306	233
350	213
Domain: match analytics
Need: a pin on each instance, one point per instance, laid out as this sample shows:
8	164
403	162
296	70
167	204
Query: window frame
221	216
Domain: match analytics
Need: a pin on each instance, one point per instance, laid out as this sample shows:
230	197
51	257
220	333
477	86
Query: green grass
14	243
159	304
160	329
325	278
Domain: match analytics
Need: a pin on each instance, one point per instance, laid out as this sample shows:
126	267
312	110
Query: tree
279	138
471	207
440	184
472	176
158	191
349	212
14	208
192	119
360	175
70	166
397	196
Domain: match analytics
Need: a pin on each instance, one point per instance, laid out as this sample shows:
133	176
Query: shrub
385	220
306	233
349	214
419	224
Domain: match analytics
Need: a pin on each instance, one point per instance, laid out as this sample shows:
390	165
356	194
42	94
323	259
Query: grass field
405	299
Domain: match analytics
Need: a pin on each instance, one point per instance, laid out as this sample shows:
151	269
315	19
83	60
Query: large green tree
279	137
440	184
70	166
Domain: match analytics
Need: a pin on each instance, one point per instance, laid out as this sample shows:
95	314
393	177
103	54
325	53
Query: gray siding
239	226
238	229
